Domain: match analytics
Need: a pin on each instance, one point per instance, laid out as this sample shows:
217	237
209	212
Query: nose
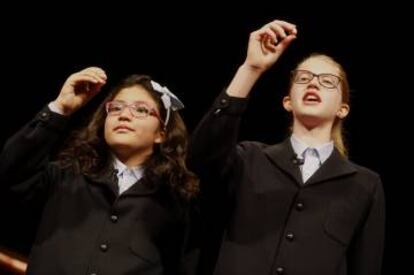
314	83
314	80
125	114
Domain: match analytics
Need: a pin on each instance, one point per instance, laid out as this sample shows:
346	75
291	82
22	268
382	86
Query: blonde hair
337	131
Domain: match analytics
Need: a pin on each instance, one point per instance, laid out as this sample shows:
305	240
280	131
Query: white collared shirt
127	176
322	151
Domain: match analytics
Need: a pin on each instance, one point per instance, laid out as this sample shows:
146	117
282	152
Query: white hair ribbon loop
169	100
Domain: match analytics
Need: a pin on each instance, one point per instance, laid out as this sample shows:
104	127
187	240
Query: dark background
195	50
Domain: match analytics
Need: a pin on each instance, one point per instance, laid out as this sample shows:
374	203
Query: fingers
79	88
276	32
97	73
283	26
93	75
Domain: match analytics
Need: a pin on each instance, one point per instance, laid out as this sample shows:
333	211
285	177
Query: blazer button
44	116
223	103
103	247
290	236
299	206
114	218
280	270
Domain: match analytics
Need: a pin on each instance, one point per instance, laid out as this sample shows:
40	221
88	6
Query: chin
122	142
123	148
309	115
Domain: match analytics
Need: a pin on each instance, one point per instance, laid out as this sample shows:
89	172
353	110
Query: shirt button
290	236
103	247
114	218
299	206
280	270
93	274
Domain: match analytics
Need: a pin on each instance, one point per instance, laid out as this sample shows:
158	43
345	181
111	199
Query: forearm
243	81
28	151
214	140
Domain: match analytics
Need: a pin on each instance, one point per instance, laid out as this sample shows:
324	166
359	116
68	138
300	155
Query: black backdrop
195	50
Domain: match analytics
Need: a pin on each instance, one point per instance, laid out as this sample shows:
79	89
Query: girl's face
315	96
132	129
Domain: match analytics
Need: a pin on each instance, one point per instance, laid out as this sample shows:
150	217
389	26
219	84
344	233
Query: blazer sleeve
366	251
24	160
213	143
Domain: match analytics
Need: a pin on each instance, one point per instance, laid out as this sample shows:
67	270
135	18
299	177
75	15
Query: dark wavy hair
87	152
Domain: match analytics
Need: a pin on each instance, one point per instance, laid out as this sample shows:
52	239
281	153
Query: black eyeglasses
329	81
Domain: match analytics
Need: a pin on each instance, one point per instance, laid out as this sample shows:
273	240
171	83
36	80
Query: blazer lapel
108	180
283	156
335	166
142	188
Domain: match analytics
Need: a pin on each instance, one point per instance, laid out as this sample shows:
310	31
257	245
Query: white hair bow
169	100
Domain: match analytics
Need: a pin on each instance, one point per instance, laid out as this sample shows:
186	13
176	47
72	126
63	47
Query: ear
160	138
343	111
287	103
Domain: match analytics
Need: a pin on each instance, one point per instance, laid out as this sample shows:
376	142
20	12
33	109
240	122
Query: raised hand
79	88
268	43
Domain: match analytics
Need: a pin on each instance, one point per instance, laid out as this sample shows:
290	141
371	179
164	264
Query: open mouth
311	98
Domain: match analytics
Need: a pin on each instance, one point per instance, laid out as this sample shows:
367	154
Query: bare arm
222	122
265	47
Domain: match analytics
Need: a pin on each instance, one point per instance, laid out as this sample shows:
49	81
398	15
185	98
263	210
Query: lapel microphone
297	161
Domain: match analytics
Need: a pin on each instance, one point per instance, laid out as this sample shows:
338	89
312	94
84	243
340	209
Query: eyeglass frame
318	76
151	111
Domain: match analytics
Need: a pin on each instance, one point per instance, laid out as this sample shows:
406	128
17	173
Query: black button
290	236
103	247
223	103
114	218
299	206
280	270
44	116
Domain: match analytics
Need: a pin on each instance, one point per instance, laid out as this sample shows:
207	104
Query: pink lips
123	127
311	97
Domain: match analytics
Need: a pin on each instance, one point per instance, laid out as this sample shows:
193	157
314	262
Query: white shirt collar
324	150
137	171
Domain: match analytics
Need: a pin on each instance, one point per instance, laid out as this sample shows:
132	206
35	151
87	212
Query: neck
313	136
133	159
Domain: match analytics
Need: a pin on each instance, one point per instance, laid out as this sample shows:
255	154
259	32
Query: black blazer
86	227
273	223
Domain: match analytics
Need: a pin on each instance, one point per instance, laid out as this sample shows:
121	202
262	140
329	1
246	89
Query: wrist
243	81
252	69
57	107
